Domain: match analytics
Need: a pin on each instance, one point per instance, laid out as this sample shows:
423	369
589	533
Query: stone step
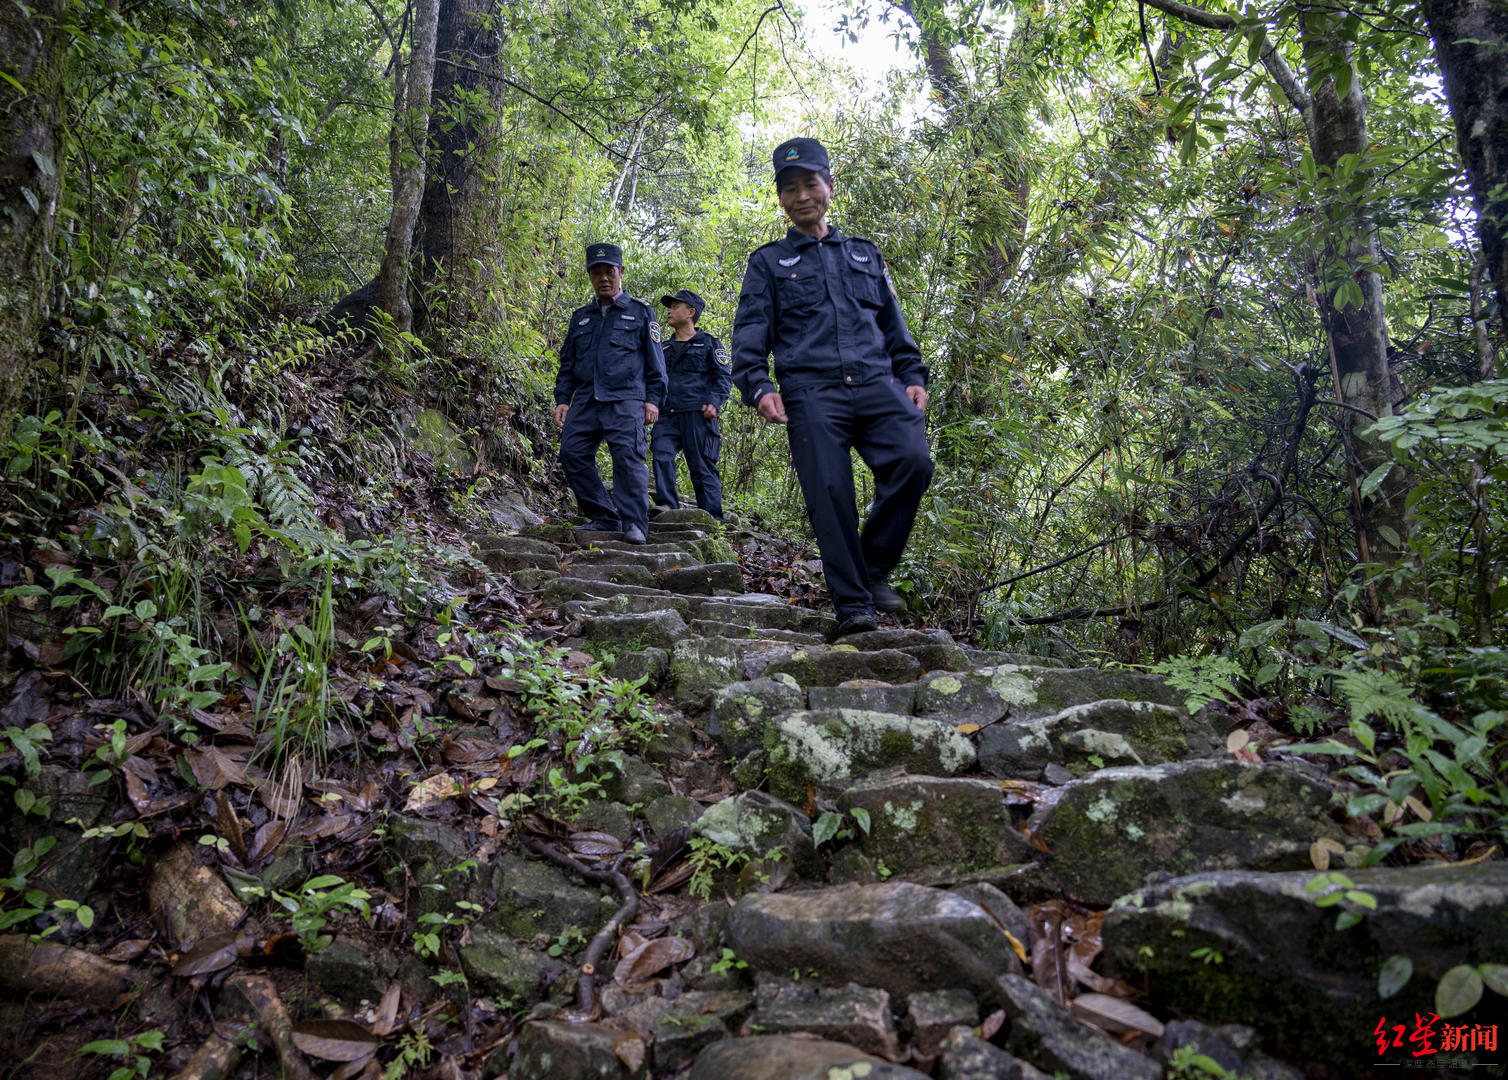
764	610
501	560
827	666
1095	735
684	516
627	604
899	937
613	573
872	694
934	650
711	628
562	589
651	549
671	534
653	561
936	828
1301	983
983	658
1109	830
632	633
533	580
707	580
787	1057
521	545
823	749
989	695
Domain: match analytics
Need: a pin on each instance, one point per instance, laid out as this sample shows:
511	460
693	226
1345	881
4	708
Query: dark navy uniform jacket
699	372
612	355
825	309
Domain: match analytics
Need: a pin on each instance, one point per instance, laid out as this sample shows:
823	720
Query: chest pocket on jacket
800	292
864	282
625	335
581	342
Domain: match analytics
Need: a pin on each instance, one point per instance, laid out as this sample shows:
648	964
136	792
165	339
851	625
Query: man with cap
849	377
611	384
700	377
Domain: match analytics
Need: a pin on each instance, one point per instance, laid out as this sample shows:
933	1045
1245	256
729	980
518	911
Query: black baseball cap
800	153
686	296
603	253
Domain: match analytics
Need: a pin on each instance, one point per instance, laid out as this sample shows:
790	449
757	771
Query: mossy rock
533	898
1108	831
824	748
1116	731
698	666
927	824
754	824
741	711
821	666
630	633
1254	948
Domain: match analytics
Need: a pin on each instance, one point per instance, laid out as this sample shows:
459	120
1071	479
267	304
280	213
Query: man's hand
772	408
709	411
560	414
651	412
918	396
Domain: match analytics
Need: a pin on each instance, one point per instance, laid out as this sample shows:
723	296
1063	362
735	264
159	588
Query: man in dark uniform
611	384
700	377
850	377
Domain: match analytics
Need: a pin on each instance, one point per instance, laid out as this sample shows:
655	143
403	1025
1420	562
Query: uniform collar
619	301
798	239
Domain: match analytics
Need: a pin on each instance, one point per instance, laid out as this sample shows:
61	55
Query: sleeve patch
654	331
722	357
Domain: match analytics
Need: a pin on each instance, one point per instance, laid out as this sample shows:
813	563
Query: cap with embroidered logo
686	296
800	153
611	254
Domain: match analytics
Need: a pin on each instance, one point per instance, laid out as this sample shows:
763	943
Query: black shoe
861	623
658	508
599	525
634	535
885	598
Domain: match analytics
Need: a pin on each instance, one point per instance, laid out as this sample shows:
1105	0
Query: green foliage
311	908
1202	678
134	1053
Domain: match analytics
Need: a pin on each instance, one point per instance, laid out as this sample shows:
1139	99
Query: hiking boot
861	623
885	598
634	535
598	525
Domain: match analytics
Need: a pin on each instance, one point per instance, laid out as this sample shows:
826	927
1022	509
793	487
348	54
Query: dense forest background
1211	302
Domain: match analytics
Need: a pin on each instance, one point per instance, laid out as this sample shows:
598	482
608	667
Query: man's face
803	196
680	315
607	280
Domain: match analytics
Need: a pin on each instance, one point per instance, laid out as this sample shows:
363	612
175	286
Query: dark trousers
701	441
879	421
621	424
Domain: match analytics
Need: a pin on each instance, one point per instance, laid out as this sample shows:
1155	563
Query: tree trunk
458	217
409	137
30	185
1358	333
1471	42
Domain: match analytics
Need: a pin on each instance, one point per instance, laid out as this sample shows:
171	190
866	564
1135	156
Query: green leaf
1397	970
861	816
826	828
1306	166
145	610
1459	990
1347	919
112	1047
1495	977
324	881
1373	480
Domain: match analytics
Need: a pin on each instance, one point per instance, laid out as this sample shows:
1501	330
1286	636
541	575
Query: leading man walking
847	376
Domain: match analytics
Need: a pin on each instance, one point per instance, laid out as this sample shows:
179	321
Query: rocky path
912	828
889	855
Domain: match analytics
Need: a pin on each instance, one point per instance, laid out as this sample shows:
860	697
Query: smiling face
804	196
606	279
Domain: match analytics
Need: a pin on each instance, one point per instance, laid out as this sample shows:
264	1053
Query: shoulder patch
722	357
654	330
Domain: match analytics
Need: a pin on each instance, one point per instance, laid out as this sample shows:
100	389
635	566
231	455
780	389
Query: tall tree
458	217
1348	287
34	51
1471	41
409	139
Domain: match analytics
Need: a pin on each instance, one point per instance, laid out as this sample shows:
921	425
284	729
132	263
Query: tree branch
1271	59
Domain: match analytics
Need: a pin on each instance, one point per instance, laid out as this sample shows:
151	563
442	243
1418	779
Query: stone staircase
969	785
